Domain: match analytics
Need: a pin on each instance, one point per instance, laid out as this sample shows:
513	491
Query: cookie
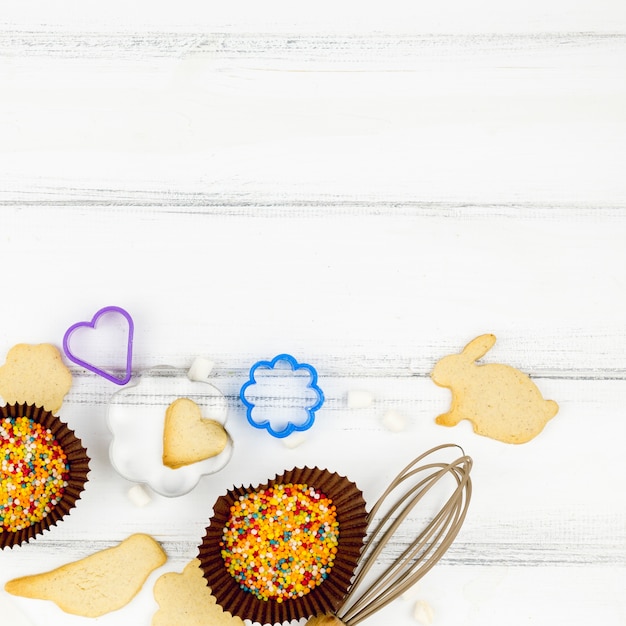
35	374
500	401
188	437
98	584
186	600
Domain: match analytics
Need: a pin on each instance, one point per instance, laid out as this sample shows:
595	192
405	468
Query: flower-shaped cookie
136	418
35	374
282	395
186	599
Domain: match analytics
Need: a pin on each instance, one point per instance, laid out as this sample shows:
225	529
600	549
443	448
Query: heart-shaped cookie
188	437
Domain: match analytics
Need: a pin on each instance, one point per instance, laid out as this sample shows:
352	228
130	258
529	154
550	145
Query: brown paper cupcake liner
329	594
79	467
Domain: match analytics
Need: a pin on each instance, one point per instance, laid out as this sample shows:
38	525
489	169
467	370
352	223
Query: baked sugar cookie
188	437
35	374
500	401
186	600
98	584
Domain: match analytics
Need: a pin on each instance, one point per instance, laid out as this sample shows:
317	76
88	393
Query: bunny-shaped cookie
500	401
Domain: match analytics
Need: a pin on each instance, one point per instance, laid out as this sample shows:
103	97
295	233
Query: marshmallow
200	369
138	495
423	612
358	399
394	421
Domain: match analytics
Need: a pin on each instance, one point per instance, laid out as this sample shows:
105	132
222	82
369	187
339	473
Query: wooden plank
363	293
367	187
279	119
397	16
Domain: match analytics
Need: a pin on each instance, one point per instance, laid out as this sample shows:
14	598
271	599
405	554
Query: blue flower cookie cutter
310	409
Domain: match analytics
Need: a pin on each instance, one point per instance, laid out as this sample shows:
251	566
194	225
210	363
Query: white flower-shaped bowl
136	419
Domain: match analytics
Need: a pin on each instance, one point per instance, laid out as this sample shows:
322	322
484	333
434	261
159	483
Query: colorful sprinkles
33	470
280	543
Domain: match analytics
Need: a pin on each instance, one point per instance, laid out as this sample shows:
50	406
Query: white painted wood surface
366	189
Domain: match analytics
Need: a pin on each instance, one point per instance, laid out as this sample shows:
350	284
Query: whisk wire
425	550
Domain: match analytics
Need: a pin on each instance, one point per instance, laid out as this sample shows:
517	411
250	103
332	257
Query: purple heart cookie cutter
116	310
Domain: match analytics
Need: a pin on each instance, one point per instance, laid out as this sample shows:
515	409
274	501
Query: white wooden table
366	189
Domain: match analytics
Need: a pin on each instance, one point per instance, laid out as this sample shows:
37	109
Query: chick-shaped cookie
500	401
188	437
98	584
186	600
35	374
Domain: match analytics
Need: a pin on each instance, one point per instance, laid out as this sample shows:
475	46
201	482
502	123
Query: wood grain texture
276	118
422	282
395	17
366	189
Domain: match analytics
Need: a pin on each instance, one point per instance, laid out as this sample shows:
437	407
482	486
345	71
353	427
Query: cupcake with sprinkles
43	470
286	549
